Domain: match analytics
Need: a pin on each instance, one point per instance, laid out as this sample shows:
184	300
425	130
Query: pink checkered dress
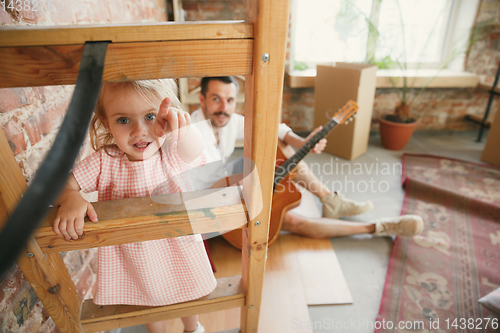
152	273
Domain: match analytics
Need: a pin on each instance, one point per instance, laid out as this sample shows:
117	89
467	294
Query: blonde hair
153	91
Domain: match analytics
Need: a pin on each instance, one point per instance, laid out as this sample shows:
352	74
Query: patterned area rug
435	279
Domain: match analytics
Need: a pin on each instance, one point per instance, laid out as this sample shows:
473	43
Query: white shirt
219	163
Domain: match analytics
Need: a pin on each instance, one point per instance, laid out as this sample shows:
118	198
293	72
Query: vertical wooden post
263	96
46	273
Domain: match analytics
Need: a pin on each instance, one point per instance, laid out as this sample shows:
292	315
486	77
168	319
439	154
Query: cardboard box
334	86
491	152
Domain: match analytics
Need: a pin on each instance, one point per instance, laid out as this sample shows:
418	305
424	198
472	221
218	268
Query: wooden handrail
141	219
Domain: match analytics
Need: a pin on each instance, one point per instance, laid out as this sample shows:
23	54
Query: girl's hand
70	217
170	119
320	146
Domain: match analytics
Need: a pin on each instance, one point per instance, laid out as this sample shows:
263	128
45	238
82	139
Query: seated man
218	103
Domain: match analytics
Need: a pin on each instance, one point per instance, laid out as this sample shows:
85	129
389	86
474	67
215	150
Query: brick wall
207	10
484	55
30	118
437	109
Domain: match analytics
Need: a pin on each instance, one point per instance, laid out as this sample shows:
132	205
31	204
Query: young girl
134	156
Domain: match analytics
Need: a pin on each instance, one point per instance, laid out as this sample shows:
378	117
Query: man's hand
171	120
320	146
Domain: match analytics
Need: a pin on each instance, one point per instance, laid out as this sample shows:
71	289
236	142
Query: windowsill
444	79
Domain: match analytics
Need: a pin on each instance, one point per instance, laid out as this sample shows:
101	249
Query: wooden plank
50	280
317	265
320	272
123	33
59	65
228	294
283	290
288	287
263	96
12	182
282	279
46	273
140	219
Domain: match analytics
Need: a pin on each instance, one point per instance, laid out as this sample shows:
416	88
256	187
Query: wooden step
141	219
228	294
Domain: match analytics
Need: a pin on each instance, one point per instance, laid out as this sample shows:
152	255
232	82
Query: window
326	31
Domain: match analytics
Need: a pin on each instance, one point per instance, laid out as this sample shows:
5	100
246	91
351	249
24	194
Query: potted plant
397	128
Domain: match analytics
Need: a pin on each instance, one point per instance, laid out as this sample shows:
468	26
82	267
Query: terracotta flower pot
395	135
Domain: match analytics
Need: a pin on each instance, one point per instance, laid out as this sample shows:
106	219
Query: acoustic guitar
285	195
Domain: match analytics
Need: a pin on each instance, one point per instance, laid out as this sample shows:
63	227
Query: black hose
52	175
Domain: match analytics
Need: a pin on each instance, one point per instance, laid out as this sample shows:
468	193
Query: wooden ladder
40	56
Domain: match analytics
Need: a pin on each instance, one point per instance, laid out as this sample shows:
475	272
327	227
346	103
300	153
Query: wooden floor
299	272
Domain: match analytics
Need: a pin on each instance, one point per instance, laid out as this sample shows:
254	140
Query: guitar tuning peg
347	122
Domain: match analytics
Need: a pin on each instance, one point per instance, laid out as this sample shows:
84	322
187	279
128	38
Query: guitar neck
285	168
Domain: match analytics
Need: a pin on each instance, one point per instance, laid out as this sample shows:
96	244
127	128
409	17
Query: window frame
461	18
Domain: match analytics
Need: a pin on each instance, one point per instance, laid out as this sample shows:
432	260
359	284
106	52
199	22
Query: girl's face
130	119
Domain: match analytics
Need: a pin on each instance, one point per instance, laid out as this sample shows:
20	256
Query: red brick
12	280
24	303
83	15
32	126
62	11
5	17
45	314
13	98
74	262
190	6
287	96
94	263
30	16
23	12
137	10
54	116
99	13
85	282
212	6
15	136
44	120
115	11
39	93
149	13
159	12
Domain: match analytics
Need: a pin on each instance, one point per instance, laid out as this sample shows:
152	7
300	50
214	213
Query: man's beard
216	115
